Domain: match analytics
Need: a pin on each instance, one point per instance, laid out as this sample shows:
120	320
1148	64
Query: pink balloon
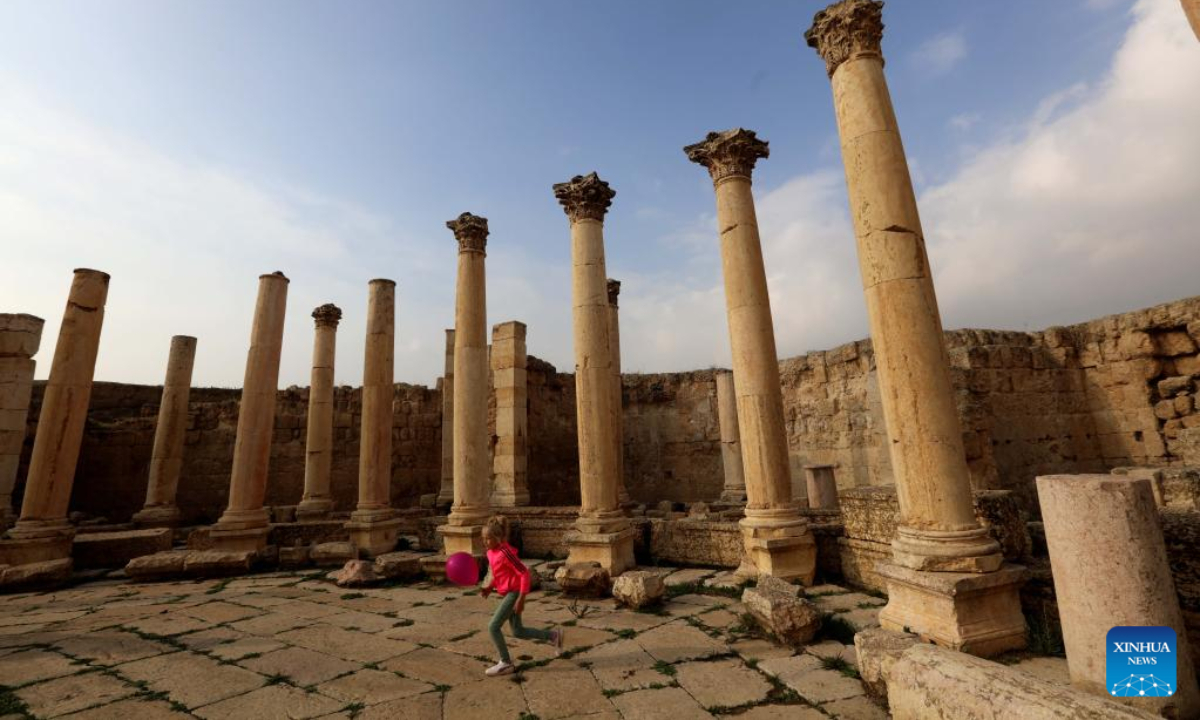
461	569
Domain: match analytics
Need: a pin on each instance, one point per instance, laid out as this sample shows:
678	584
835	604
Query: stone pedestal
602	527
43	532
822	487
1110	568
445	496
778	541
977	613
243	527
472	466
618	401
318	447
166	460
373	527
734	489
20	337
510	487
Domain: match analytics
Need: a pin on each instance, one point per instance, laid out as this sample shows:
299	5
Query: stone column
731	443
446	494
472	466
822	487
243	527
373	526
318	446
937	531
166	459
1110	569
43	532
20	337
1191	8
509	461
778	540
602	533
618	404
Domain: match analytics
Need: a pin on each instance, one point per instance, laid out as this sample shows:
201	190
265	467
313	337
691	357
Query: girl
511	581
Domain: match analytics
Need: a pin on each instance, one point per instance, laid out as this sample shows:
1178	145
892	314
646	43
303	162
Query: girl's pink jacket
508	573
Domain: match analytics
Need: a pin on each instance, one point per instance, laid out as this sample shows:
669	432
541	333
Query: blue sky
188	147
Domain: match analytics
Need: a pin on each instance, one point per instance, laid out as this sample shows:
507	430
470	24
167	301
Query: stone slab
116	549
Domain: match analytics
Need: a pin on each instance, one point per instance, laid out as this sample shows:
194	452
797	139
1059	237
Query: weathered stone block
639	588
158	565
583	580
877	649
294	557
778	608
357	573
47	573
116	549
398	565
215	563
333	554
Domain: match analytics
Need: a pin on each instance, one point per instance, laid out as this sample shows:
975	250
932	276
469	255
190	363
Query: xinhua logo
1141	661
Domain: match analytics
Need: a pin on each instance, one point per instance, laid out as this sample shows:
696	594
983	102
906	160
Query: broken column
614	342
20	337
822	487
446	492
602	533
318	446
43	532
373	527
731	444
941	582
777	538
166	459
1110	569
472	466
509	463
243	527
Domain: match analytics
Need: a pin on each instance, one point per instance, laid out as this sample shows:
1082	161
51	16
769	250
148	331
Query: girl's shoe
500	668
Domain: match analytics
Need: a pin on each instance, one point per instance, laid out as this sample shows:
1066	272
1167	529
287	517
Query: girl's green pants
505	612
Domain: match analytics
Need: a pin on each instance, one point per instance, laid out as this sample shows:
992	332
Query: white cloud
941	53
964	121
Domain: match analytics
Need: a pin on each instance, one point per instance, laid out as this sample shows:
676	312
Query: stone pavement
293	645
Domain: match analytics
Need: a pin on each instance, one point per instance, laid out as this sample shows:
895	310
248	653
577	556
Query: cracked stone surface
292	645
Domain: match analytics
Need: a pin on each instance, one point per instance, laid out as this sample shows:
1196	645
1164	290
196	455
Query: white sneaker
500	668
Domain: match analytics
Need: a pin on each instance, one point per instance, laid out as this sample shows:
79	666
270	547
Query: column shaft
318	446
618	409
509	465
731	444
379	389
166	459
64	412
446	493
20	337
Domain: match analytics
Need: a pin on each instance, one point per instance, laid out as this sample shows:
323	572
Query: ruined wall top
728	154
845	30
471	231
585	197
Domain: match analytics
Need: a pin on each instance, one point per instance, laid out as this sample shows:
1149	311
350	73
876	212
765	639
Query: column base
976	613
778	543
37	542
612	550
235	540
970	551
505	498
374	537
157	516
463	538
313	509
445	496
733	495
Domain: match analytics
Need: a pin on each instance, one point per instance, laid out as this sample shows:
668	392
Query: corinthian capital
847	29
614	289
728	153
471	231
328	315
585	197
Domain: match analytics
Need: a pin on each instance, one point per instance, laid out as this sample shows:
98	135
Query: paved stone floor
293	645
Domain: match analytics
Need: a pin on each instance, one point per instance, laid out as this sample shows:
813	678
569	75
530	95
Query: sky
188	147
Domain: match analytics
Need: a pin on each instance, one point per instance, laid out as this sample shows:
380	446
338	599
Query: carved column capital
847	29
585	197
614	289
327	315
471	231
728	154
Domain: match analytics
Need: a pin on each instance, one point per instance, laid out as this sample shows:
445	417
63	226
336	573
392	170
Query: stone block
778	608
357	573
158	565
333	554
583	580
47	573
638	588
398	565
1172	386
294	557
217	563
116	549
877	649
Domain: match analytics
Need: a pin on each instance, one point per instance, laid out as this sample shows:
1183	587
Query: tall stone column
244	525
43	532
602	533
318	446
1111	571
472	466
20	337
446	494
731	442
778	540
166	459
510	461
618	409
373	526
938	532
